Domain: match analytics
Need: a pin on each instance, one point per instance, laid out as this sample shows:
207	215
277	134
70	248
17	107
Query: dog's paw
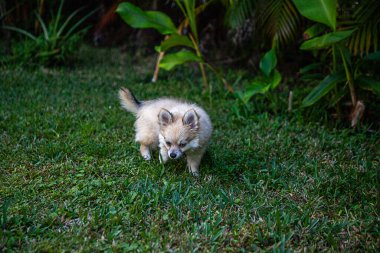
163	159
147	157
195	174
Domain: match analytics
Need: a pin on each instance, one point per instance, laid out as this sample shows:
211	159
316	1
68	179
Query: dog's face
178	134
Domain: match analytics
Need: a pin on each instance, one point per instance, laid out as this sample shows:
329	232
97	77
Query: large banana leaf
326	40
175	40
171	60
138	18
322	11
322	89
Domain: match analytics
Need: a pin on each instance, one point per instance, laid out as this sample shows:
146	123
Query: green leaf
191	16
169	61
369	84
375	56
322	11
70	17
78	23
258	86
314	30
175	40
310	67
21	31
325	40
268	62
308	77
275	79
43	26
322	89
138	18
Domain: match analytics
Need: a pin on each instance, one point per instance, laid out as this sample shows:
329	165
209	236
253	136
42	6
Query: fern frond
279	20
238	11
366	20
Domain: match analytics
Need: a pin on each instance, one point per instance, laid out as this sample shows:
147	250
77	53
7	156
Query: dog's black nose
173	155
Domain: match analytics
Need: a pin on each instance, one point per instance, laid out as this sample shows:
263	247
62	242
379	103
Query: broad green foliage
314	30
270	79
178	58
268	62
138	18
326	40
322	89
173	41
322	11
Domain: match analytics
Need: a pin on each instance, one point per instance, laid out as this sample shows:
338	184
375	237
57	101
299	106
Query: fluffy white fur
174	126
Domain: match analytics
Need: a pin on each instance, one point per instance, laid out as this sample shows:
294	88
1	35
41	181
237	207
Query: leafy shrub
174	36
329	38
57	42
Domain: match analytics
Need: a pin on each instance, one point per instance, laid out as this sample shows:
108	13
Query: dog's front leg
193	161
163	154
145	152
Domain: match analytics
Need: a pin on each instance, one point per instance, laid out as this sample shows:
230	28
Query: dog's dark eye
168	143
182	144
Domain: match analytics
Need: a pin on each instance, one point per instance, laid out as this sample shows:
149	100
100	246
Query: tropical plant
174	36
274	20
58	40
332	40
269	79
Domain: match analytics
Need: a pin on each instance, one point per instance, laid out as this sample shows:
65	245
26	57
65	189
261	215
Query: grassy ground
71	177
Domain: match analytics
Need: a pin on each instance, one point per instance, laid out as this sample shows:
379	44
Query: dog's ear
191	119
165	117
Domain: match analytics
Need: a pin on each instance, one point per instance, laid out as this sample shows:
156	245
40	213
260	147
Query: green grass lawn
71	177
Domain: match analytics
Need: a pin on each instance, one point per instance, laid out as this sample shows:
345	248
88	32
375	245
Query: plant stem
334	58
201	66
350	80
204	76
226	84
157	68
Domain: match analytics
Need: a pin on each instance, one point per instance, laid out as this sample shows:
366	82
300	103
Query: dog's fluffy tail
128	100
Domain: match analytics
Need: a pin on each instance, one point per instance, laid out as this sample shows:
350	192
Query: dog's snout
173	155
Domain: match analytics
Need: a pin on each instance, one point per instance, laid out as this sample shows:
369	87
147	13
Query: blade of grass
79	22
43	26
19	30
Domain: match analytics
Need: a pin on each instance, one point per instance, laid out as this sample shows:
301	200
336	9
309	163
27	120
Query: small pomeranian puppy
175	127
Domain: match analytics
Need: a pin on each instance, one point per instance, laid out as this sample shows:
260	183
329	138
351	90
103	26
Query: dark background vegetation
233	35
